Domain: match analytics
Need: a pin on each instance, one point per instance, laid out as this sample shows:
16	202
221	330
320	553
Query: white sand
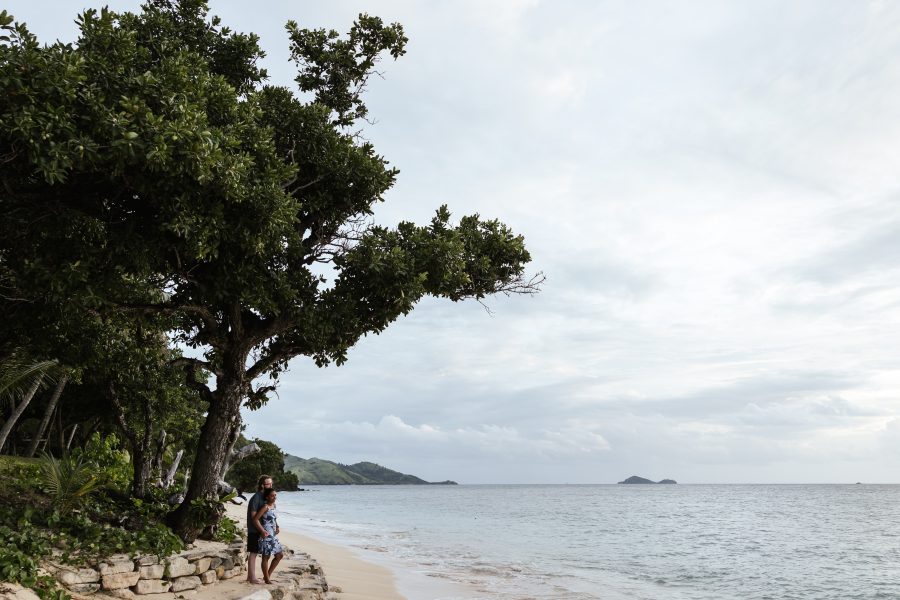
357	579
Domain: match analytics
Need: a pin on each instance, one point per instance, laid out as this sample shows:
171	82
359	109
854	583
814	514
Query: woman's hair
260	483
267	492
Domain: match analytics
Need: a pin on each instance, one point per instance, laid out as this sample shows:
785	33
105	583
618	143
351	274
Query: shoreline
357	579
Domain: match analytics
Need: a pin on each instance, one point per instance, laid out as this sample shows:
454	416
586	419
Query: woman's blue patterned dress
269	545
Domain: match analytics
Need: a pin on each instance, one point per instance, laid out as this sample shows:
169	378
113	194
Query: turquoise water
612	542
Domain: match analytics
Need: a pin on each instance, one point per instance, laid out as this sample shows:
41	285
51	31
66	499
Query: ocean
615	542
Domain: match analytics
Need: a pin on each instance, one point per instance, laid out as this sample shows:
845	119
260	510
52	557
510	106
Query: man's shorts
253	542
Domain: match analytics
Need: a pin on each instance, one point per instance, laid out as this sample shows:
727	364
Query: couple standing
262	529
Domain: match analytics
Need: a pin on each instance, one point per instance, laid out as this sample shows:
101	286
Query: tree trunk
217	437
48	413
17	411
173	468
71	437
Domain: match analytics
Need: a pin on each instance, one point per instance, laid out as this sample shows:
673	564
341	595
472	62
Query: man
256	502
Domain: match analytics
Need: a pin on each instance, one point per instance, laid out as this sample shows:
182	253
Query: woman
266	523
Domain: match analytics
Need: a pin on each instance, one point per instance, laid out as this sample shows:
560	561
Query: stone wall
149	574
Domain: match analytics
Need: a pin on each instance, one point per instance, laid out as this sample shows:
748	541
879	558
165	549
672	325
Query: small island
636	479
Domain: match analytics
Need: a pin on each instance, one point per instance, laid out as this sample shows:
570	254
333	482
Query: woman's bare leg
265	568
275	562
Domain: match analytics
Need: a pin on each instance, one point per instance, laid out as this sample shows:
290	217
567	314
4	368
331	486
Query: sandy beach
356	578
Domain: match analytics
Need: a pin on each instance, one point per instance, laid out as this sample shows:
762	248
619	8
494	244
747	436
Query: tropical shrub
67	480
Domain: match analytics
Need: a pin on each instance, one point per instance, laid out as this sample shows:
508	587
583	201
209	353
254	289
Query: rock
278	593
668	481
123	593
220	570
194	554
186	594
84	588
178	566
307	595
69	576
227	562
152	586
120	580
14	591
202	565
185	583
214	562
114	567
208	577
258	595
227	573
147	559
152	571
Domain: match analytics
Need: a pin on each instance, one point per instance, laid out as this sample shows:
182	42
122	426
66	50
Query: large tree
148	171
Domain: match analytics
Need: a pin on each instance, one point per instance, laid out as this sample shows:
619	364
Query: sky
711	190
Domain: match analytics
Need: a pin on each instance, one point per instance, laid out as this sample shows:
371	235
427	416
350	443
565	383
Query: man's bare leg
251	568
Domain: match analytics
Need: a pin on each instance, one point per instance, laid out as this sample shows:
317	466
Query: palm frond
18	372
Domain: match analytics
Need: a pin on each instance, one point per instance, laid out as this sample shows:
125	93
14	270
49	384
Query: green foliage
68	480
337	69
154	189
228	530
84	538
21	547
110	463
270	460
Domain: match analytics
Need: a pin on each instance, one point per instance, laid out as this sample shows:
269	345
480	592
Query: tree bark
173	468
17	411
217	437
48	413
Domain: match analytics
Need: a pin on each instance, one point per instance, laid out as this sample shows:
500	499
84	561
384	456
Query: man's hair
261	482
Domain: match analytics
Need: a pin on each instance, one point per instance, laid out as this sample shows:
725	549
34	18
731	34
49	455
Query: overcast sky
711	189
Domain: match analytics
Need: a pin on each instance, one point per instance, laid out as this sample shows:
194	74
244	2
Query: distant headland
636	479
317	471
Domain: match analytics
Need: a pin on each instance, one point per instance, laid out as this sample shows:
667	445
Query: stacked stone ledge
123	576
300	577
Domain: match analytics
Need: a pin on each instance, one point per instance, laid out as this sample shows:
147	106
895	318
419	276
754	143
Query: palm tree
20	379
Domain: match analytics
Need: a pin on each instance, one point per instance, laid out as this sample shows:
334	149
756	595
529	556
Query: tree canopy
150	172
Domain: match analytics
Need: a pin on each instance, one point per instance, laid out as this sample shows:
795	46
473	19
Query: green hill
316	471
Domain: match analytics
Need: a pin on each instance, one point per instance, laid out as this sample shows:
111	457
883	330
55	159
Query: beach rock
279	592
123	593
178	566
14	591
194	554
307	595
152	572
202	565
69	576
120	580
114	567
215	561
227	563
257	595
147	559
83	588
152	586
208	577
185	583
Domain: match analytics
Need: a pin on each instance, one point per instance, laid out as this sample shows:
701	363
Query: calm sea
611	542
